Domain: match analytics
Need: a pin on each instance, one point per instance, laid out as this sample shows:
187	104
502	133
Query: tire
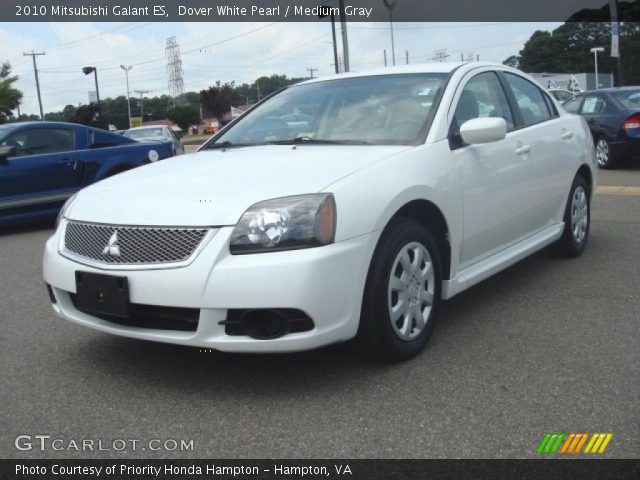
577	220
414	293
604	153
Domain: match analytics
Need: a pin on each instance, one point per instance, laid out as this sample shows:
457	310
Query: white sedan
272	240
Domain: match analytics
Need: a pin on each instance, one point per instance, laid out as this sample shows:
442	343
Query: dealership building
582	81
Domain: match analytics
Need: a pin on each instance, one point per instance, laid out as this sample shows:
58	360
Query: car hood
215	187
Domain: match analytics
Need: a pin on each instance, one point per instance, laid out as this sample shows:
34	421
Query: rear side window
593	104
530	99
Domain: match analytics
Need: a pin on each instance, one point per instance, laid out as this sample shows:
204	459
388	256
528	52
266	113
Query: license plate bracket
103	294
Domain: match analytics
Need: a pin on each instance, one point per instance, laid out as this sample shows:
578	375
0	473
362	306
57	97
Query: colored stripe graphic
551	442
573	443
598	443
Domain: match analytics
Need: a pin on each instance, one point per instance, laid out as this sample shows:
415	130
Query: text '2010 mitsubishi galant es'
388	192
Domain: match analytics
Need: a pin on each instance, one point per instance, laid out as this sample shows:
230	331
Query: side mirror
483	130
6	152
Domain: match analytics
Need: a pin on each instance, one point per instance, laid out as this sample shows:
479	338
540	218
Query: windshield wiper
226	144
318	141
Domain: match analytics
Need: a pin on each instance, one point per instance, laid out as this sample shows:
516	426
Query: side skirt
501	260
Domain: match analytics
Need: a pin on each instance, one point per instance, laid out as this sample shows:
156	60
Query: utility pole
406	56
311	70
141	93
126	72
345	40
258	88
390	4
385	57
35	71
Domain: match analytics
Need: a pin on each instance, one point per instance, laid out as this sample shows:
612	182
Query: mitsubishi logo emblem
112	247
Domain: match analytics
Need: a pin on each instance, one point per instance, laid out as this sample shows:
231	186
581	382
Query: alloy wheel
602	152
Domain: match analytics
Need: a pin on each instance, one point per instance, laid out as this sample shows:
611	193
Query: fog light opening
264	324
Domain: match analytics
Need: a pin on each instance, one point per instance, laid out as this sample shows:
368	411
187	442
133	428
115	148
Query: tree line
184	111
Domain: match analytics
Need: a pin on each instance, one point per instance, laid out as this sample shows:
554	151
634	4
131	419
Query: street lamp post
126	72
595	51
390	4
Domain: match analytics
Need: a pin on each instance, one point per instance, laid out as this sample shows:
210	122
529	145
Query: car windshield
144	133
384	109
628	98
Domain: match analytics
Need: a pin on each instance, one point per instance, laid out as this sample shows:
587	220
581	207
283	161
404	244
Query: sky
224	52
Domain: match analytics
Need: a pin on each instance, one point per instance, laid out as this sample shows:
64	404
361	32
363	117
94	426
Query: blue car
613	116
43	163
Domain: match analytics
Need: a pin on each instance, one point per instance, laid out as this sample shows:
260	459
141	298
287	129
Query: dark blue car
613	115
44	163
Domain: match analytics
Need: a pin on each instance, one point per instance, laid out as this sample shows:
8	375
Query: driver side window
482	96
39	141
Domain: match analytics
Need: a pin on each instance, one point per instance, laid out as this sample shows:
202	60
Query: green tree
512	61
567	49
184	116
219	98
9	96
263	86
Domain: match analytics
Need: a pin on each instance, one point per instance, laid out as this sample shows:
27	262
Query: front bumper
326	283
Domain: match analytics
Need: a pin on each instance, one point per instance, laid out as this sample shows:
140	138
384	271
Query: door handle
566	135
523	149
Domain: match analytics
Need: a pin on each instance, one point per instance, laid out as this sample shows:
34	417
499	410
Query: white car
157	132
271	241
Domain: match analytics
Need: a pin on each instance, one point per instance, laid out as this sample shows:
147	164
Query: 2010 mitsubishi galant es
401	188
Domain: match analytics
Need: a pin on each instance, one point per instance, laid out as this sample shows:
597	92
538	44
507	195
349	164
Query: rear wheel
402	293
604	153
577	219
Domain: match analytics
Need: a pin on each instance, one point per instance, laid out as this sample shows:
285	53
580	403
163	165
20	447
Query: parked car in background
613	116
562	95
274	241
160	133
43	163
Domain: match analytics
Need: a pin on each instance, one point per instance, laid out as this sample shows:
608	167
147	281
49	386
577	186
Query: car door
43	172
554	151
602	116
496	177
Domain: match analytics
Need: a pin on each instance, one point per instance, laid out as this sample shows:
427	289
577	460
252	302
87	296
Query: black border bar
311	10
316	469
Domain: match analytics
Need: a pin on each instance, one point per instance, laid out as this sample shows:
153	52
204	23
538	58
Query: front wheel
577	220
402	292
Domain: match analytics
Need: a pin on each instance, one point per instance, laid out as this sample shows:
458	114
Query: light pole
126	72
390	4
595	51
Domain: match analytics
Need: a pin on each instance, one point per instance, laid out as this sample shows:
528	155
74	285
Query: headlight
64	208
287	223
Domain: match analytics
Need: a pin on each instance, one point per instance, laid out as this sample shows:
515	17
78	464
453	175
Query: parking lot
549	345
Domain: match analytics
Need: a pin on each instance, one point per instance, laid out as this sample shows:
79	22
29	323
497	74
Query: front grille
127	245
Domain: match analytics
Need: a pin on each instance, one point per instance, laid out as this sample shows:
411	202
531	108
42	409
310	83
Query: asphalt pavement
549	345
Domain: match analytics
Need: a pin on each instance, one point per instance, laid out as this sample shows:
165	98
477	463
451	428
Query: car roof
39	124
144	127
431	67
613	89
